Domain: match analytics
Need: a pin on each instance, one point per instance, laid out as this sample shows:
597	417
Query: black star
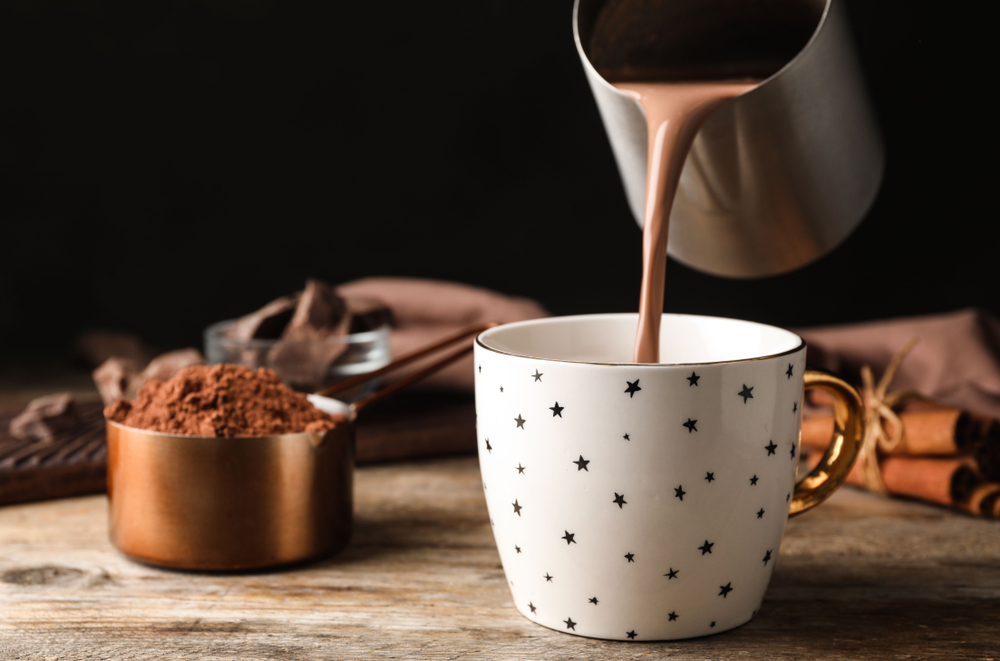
725	589
520	421
753	481
520	468
548	579
690	424
556	410
767	556
770	447
570	624
793	452
787	496
620	500
746	393
531	606
631	634
517	548
706	547
569	537
501	388
480	369
626	437
789	372
630	557
633	388
795	407
679	492
489	448
537	375
712	625
760	514
673	615
671	574
593	600
581	464
709	477
517	508
693	379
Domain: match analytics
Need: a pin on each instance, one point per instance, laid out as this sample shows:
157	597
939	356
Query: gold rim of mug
801	345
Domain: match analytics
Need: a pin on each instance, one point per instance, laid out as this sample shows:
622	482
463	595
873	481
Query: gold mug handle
848	432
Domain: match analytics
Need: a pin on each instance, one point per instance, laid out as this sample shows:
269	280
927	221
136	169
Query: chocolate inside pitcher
685	40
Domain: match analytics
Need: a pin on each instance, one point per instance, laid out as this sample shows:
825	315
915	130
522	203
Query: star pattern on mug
633	388
539	437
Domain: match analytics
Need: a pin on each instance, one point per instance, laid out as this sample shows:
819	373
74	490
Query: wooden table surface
859	578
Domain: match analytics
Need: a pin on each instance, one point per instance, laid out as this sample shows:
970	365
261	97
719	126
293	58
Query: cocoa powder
221	401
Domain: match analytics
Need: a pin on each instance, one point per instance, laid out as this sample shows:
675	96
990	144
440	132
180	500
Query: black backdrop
165	165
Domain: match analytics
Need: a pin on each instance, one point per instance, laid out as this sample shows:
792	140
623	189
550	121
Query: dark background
165	165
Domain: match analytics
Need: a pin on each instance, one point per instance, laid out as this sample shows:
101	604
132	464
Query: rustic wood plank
861	577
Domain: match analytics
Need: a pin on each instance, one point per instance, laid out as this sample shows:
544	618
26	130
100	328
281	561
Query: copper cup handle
405	359
848	431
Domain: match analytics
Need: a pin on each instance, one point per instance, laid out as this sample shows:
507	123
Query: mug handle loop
848	432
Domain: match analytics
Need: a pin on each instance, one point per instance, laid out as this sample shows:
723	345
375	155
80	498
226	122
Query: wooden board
74	462
860	577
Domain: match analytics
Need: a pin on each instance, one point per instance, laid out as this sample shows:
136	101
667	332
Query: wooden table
859	578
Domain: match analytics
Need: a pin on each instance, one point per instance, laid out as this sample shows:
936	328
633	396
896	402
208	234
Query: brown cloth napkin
427	310
955	363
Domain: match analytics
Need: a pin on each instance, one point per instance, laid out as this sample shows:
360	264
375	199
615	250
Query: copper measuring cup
243	503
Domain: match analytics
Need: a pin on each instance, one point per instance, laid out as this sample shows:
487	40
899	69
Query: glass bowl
306	365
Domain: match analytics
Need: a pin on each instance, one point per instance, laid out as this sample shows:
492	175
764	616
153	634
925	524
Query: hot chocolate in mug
647	501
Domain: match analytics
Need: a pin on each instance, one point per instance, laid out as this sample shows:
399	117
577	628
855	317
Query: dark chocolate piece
267	323
367	314
320	313
112	378
44	416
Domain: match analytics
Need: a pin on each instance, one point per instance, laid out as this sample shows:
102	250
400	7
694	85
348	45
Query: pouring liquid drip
674	113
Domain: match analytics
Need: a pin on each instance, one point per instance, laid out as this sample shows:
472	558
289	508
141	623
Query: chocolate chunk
44	416
320	313
112	378
163	368
95	347
267	323
304	364
367	314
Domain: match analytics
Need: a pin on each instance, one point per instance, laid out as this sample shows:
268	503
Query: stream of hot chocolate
674	113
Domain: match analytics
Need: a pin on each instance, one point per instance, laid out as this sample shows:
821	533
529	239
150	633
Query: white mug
647	501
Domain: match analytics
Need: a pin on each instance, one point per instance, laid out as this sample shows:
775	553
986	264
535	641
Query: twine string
879	411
